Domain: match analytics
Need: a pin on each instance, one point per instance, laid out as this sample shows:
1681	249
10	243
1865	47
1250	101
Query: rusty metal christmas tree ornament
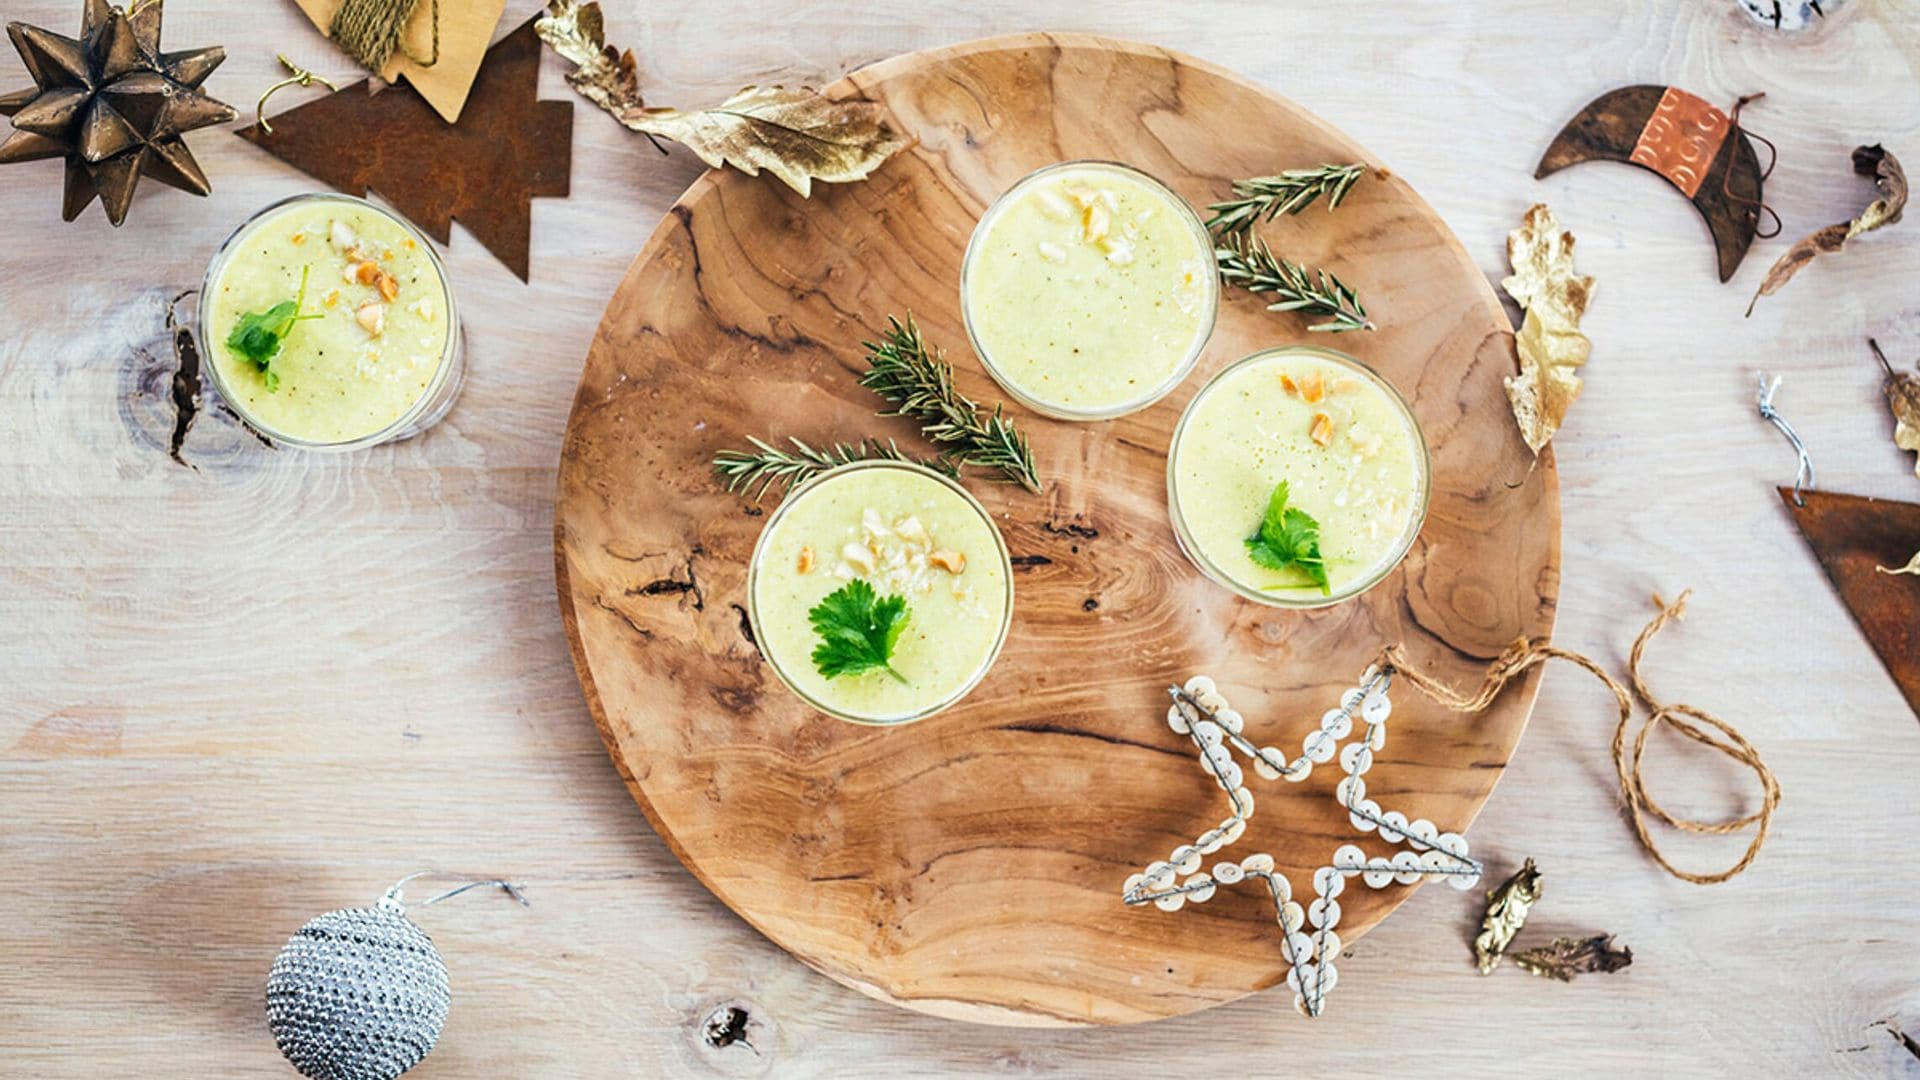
1853	537
112	104
508	147
1700	150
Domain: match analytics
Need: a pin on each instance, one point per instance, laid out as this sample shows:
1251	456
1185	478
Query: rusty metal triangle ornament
508	147
1854	537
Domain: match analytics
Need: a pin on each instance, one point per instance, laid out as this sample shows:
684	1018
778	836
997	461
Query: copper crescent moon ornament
1683	138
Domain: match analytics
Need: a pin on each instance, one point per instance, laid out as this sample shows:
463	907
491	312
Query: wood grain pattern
235	695
969	865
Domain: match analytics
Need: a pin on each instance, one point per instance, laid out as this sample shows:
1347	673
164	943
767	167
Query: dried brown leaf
797	134
1563	958
1550	343
1506	913
1888	176
1903	397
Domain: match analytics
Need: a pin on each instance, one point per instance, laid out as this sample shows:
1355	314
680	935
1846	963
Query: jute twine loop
369	30
1524	655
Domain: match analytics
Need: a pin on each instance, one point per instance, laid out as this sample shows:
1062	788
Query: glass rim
1415	522
791	499
1180	371
420	406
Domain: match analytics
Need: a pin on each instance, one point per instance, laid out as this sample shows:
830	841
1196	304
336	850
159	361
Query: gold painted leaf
1550	343
1541	253
602	74
1888	176
797	134
1506	912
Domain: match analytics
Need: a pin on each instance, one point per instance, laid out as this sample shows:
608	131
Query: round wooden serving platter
971	865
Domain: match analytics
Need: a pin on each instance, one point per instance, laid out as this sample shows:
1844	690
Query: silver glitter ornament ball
358	994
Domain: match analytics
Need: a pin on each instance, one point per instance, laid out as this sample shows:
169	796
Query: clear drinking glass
433	403
1210	297
779	664
1300	598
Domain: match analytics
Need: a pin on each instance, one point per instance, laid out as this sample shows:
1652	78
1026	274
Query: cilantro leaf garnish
257	336
857	630
1288	538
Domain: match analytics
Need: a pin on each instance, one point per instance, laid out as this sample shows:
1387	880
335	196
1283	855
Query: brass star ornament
112	104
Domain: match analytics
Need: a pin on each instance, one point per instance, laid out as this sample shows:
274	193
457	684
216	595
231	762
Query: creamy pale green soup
369	357
904	532
1345	447
1088	289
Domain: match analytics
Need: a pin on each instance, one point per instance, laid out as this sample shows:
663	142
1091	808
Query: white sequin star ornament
1203	715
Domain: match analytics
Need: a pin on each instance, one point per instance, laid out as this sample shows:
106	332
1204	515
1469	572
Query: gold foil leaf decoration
1903	397
1541	253
1563	958
1888	176
1507	908
601	73
1550	343
796	133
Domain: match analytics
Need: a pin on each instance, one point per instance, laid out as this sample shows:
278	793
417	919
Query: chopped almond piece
1313	387
389	287
1322	430
1345	384
366	273
297	239
953	562
1287	384
372	317
805	563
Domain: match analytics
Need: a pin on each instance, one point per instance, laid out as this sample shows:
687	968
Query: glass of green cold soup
880	592
1298	477
1089	290
328	323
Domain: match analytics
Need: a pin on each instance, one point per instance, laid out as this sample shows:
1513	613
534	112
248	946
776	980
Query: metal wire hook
1802	476
300	77
394	896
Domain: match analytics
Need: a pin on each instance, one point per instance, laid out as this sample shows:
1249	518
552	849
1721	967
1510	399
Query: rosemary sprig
1250	264
1263	198
919	383
767	466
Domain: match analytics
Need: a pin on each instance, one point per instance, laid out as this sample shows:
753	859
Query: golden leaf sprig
764	467
1903	397
919	383
1263	198
1871	161
796	133
1549	342
1250	264
1565	957
1506	913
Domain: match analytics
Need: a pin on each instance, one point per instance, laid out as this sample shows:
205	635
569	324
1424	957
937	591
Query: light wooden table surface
235	695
